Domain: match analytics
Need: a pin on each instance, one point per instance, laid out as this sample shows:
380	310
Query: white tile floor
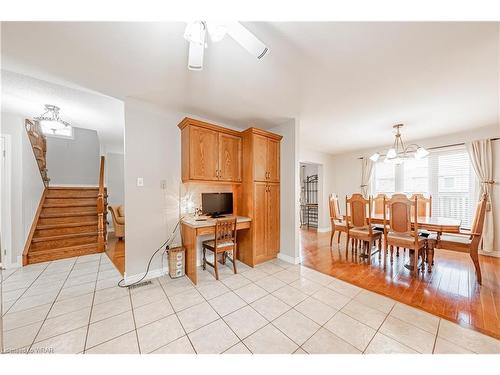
74	306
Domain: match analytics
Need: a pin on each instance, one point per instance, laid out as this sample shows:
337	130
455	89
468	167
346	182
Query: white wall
346	168
152	151
289	191
26	183
74	161
115	178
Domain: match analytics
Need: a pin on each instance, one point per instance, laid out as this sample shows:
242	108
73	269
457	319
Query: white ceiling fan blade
195	61
247	40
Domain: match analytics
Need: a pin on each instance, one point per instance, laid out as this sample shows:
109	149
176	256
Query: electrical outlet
140	181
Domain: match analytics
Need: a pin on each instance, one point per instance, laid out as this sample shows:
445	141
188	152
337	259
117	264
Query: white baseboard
18	264
152	274
289	259
494	254
324	229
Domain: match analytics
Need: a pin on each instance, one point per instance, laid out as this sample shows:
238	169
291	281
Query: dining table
436	224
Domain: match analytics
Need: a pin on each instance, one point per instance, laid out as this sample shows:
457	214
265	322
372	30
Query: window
416	176
66	132
384	178
453	195
446	174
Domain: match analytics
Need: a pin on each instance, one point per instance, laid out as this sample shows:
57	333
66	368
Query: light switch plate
163	184
140	181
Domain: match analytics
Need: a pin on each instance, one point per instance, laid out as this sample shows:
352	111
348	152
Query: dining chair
424	205
398	228
224	243
378	209
336	221
465	242
359	227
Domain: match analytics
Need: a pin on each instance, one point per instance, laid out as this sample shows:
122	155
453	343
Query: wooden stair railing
39	146
102	209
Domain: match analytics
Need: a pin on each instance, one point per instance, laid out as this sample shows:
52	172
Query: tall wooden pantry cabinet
260	196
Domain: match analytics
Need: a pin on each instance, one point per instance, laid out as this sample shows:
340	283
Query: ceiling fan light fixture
217	31
195	32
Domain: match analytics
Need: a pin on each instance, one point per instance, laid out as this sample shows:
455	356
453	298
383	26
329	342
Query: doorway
309	196
5	204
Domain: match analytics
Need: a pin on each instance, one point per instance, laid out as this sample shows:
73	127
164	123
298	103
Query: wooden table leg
189	243
430	254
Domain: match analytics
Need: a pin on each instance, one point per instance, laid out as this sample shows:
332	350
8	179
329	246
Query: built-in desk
191	229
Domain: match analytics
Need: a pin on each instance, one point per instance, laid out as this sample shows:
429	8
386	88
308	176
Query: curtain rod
445	146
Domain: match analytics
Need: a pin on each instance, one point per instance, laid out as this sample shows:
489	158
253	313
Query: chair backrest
478	223
225	231
399	208
424	205
333	201
378	204
358	210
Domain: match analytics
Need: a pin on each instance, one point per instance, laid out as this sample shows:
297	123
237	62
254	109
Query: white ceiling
27	96
347	83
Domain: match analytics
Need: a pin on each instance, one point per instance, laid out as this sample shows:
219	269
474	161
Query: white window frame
433	183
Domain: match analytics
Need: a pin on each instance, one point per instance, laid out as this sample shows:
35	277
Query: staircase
69	221
67	225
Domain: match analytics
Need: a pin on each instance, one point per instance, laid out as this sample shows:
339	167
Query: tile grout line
437	334
29	286
177	316
133	318
92	306
378	329
51	306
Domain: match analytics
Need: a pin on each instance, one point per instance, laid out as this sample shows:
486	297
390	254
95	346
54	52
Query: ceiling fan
196	34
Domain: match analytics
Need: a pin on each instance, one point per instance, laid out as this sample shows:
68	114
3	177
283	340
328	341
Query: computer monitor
217	204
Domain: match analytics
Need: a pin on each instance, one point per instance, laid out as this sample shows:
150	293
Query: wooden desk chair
336	222
359	213
398	231
464	242
224	242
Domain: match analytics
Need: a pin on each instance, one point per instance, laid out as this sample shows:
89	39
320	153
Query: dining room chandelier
399	152
50	119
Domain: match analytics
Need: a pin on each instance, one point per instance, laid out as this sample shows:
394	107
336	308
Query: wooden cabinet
266	154
260	196
229	149
203	161
266	221
209	152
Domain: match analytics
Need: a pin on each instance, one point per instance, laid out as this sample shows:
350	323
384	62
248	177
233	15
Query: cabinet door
273	220
229	157
273	160
259	222
203	154
260	158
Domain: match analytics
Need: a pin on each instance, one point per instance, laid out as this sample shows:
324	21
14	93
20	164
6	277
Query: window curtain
366	174
481	158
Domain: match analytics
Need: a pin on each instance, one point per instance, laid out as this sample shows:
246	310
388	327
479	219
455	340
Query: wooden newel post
101	210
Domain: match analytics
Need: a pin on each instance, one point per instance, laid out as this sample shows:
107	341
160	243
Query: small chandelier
50	119
399	152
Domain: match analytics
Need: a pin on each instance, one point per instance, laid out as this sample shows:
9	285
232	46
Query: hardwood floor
450	291
115	251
